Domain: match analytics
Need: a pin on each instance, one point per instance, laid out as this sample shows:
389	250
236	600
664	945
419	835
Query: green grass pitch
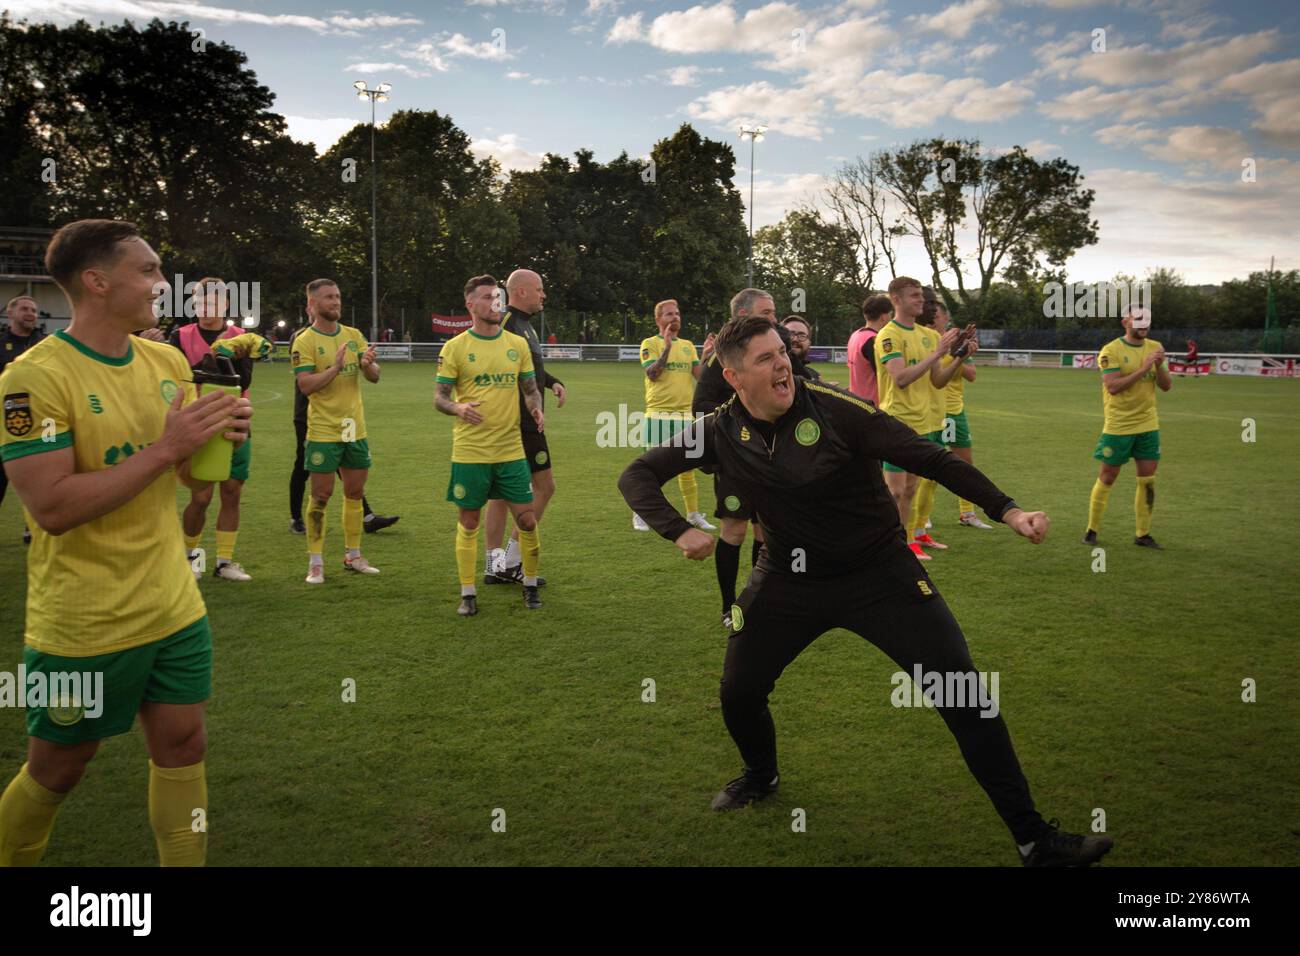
1122	689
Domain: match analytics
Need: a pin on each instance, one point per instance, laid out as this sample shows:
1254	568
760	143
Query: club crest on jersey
887	344
168	390
18	414
512	355
807	432
1103	361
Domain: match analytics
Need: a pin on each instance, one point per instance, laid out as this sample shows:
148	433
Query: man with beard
329	360
798	340
1132	366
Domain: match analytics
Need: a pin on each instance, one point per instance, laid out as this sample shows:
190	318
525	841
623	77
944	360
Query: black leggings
889	606
298	479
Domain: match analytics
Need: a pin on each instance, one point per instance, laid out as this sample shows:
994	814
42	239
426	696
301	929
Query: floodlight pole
752	133
379	92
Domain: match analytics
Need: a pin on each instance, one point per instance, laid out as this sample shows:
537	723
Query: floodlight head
385	87
363	95
359	85
382	98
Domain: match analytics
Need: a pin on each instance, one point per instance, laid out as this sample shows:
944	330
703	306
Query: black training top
521	324
13	345
813	477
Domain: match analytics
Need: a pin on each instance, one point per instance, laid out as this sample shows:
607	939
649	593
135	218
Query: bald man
525	296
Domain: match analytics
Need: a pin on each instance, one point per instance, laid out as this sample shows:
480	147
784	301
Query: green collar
323	332
486	338
91	353
901	325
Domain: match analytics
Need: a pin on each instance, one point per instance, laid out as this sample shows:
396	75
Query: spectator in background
551	339
1193	356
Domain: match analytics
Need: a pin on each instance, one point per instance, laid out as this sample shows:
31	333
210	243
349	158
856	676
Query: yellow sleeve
694	355
247	345
650	349
36	414
1106	360
449	363
303	343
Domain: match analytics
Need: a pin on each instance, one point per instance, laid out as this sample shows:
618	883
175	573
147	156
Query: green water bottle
212	461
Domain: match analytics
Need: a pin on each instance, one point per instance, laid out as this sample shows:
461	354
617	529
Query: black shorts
730	503
536	451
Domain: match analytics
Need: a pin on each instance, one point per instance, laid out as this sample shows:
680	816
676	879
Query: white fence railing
1221	363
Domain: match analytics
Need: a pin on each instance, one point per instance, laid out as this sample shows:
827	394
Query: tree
810	266
1029	216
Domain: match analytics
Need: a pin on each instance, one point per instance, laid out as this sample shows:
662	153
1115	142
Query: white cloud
376	68
67	11
1127	134
1271	89
1093	102
597	7
701	29
776	195
958	19
793	112
916	99
687	75
507	151
1217	146
626	30
1041	149
983	51
1211	229
321	132
460	45
1190	65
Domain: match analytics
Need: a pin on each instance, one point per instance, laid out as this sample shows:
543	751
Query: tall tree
1028	215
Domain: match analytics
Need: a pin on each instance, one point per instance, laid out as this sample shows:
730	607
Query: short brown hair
478	282
733	340
315	284
660	306
9	306
901	283
797	318
877	305
84	243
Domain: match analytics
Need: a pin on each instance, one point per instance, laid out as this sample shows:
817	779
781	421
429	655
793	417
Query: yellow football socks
1144	502
1097	504
467	555
690	490
226	544
27	812
315	527
175	793
965	507
352	515
530	551
192	540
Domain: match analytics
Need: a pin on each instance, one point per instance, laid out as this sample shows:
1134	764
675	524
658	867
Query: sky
1183	115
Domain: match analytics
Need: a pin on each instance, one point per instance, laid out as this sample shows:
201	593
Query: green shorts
326	456
1117	449
174	670
935	436
958	436
660	430
241	459
473	483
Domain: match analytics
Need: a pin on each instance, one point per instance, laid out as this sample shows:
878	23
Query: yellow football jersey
938	399
121	580
336	409
675	387
487	370
954	393
1133	410
910	405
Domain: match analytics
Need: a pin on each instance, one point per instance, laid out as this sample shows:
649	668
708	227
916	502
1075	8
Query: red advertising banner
450	324
1179	367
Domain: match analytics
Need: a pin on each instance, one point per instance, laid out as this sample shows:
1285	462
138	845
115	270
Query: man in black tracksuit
808	456
525	296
